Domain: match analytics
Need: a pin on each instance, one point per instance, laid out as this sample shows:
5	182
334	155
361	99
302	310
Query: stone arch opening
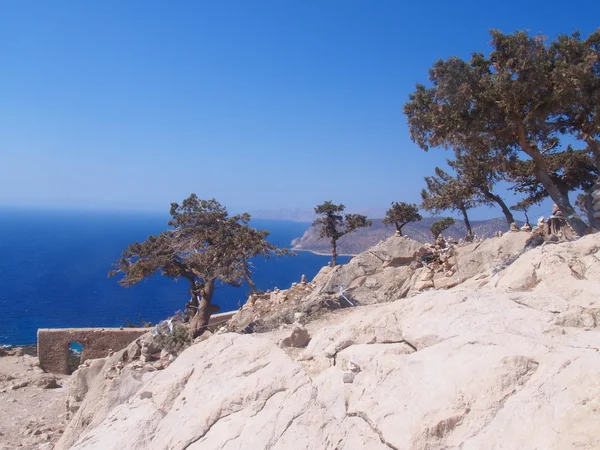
74	352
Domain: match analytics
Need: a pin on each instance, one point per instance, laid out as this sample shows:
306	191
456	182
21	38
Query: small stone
422	285
298	316
19	385
427	275
204	336
145	394
514	227
353	367
348	376
159	365
47	381
299	338
134	350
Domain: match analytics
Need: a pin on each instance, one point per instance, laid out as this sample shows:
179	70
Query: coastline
320	253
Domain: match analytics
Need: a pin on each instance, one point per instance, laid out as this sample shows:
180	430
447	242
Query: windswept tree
334	224
503	104
523	206
480	171
437	228
203	246
400	214
444	192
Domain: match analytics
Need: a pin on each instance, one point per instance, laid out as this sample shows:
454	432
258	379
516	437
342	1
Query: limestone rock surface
488	364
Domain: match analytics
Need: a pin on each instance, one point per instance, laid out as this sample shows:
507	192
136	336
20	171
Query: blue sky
261	104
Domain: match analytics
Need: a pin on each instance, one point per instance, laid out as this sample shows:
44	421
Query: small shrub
176	341
140	323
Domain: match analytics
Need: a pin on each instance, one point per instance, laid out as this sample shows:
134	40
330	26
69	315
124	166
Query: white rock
472	367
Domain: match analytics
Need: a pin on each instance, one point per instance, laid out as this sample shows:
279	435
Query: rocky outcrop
478	257
497	362
100	385
373	269
395	268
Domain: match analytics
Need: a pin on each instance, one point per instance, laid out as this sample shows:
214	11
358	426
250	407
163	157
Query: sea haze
54	265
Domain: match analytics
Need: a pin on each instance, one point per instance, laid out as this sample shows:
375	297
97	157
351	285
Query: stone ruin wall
53	344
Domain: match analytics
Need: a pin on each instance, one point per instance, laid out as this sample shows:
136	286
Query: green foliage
576	76
524	206
176	341
570	170
139	323
203	245
402	213
519	98
440	226
334	223
445	192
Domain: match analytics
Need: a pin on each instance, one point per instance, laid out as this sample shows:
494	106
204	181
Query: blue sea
54	266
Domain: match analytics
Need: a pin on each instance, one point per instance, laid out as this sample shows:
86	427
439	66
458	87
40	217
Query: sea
54	266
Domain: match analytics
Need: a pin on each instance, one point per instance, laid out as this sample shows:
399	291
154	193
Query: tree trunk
469	236
250	283
543	177
205	309
248	278
563	203
589	209
334	253
399	228
497	199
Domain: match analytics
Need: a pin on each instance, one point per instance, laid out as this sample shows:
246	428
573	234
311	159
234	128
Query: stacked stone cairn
438	257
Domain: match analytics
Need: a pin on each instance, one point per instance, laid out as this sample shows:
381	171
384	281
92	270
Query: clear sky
261	104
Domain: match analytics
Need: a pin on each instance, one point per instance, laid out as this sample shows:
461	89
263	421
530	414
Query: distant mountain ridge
361	240
307	215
